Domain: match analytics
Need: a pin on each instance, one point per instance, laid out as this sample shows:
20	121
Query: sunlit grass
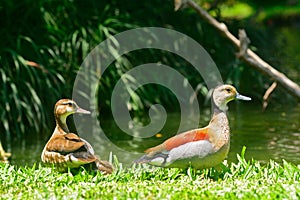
241	180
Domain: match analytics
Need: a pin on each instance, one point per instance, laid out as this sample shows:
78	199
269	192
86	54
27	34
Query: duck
4	156
67	150
198	148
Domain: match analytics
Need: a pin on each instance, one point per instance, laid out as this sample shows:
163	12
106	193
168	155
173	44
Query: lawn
241	180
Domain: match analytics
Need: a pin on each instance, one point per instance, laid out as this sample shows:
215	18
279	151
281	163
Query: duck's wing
88	146
163	149
180	139
65	144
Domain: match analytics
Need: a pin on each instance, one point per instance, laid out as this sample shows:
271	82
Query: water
274	134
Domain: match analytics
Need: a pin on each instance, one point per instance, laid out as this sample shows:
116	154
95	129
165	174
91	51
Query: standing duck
67	150
198	148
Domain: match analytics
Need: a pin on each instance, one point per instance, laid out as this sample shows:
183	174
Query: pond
273	134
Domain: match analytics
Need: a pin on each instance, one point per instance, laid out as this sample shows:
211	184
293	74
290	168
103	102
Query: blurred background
43	44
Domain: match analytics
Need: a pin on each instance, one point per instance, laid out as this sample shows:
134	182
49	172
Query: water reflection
274	135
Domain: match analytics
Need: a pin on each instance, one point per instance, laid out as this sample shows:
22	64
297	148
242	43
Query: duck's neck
218	115
219	119
218	126
61	123
216	109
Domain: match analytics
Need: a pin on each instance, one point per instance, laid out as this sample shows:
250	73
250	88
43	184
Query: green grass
241	180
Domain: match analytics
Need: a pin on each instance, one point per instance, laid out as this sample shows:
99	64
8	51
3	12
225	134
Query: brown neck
61	125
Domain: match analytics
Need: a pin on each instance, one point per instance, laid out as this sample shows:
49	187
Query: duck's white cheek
70	109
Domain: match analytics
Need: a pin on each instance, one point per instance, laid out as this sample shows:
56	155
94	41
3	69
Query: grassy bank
241	180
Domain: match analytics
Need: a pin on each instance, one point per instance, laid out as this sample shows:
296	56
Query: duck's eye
68	104
228	90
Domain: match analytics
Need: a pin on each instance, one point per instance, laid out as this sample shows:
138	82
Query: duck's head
225	93
65	107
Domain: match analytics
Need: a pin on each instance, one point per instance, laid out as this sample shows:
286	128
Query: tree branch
267	95
247	55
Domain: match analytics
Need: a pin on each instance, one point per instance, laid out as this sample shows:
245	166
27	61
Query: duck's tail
143	159
104	166
158	159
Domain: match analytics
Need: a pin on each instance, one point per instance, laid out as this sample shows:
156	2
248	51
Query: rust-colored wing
65	143
183	138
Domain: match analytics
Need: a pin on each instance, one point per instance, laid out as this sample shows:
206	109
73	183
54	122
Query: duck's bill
241	97
82	111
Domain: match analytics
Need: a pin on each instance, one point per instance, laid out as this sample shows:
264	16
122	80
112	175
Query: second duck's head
65	107
225	93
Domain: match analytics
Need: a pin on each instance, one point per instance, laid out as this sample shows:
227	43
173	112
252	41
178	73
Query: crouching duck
202	147
67	150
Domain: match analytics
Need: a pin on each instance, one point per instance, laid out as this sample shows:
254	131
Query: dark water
274	134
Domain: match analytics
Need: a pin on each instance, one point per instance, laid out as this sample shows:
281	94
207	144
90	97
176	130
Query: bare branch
244	42
267	95
178	4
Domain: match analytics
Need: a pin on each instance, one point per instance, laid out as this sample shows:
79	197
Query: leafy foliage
45	45
44	48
